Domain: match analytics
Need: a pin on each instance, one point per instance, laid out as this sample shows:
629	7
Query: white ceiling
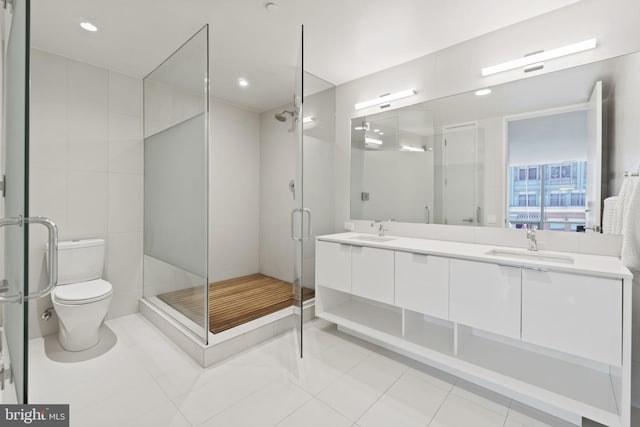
344	39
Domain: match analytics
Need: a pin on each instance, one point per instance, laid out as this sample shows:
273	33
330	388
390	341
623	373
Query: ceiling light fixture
483	92
386	98
242	82
381	133
373	141
540	57
86	25
308	119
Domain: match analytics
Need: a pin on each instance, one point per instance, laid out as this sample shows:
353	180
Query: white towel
609	215
631	227
620	205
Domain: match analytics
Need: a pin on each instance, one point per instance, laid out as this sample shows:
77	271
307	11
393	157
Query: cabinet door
422	284
372	273
575	314
485	296
333	265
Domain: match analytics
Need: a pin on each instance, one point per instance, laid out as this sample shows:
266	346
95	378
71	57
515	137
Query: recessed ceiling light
376	130
86	25
242	82
381	133
483	92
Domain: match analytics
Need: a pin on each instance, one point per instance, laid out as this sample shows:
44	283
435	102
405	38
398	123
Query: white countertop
593	265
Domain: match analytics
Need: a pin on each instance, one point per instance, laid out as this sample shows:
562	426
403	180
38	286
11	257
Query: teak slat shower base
235	301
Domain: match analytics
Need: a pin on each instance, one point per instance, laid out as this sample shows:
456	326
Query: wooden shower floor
235	301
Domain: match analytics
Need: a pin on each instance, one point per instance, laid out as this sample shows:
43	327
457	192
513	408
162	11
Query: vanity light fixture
242	82
308	119
86	25
386	98
539	57
372	141
411	148
483	92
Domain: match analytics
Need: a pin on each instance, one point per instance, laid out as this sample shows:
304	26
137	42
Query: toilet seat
82	292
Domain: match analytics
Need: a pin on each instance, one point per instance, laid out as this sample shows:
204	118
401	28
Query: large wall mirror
525	153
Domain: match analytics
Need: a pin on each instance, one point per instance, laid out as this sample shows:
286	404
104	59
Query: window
566	171
577	199
554	199
533	174
522	200
555	172
533	199
522	174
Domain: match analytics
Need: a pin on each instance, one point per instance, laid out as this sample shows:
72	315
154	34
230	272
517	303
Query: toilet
81	298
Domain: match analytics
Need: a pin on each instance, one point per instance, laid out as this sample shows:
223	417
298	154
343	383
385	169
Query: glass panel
318	122
298	213
16	140
176	117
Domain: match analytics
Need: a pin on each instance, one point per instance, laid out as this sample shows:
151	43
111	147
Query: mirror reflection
521	154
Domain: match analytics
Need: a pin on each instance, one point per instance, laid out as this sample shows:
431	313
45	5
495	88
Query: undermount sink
373	238
531	255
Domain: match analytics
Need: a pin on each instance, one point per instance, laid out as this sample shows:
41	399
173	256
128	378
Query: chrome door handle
302	211
467	220
53	257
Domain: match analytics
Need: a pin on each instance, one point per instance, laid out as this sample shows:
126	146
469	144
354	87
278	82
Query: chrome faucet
381	228
531	237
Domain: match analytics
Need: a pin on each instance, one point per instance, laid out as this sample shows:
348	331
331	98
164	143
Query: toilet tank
80	260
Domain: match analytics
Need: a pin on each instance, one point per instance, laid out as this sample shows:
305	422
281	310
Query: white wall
457	69
277	167
86	172
234	191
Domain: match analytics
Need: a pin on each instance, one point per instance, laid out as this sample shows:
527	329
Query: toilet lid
82	291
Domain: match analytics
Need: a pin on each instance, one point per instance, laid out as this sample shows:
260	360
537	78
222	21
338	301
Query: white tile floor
145	380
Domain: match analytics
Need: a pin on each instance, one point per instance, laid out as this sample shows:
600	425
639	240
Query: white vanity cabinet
333	265
485	296
372	273
580	315
422	283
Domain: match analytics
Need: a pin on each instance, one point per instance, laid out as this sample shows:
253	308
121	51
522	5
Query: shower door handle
302	212
53	256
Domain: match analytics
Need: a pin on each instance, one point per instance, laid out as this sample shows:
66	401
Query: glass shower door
14	333
299	213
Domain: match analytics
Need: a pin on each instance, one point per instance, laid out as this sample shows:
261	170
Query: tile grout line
435	414
506	417
382	395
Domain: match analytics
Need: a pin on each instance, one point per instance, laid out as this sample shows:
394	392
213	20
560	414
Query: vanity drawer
333	265
485	296
575	314
422	284
372	273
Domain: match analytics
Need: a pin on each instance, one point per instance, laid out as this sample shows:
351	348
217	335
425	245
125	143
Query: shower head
282	117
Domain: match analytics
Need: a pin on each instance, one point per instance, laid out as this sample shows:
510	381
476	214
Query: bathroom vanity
549	329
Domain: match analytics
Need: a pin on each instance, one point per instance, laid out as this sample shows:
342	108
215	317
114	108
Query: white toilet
81	298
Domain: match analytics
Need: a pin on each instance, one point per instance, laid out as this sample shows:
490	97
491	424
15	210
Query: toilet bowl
81	299
81	308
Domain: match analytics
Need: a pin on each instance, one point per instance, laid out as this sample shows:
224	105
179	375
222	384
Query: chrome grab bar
53	256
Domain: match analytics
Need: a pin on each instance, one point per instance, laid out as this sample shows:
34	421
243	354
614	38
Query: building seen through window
548	196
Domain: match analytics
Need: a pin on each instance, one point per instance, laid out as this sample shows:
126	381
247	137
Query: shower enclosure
232	176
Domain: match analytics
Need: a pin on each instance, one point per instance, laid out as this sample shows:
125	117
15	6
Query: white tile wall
86	171
234	191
